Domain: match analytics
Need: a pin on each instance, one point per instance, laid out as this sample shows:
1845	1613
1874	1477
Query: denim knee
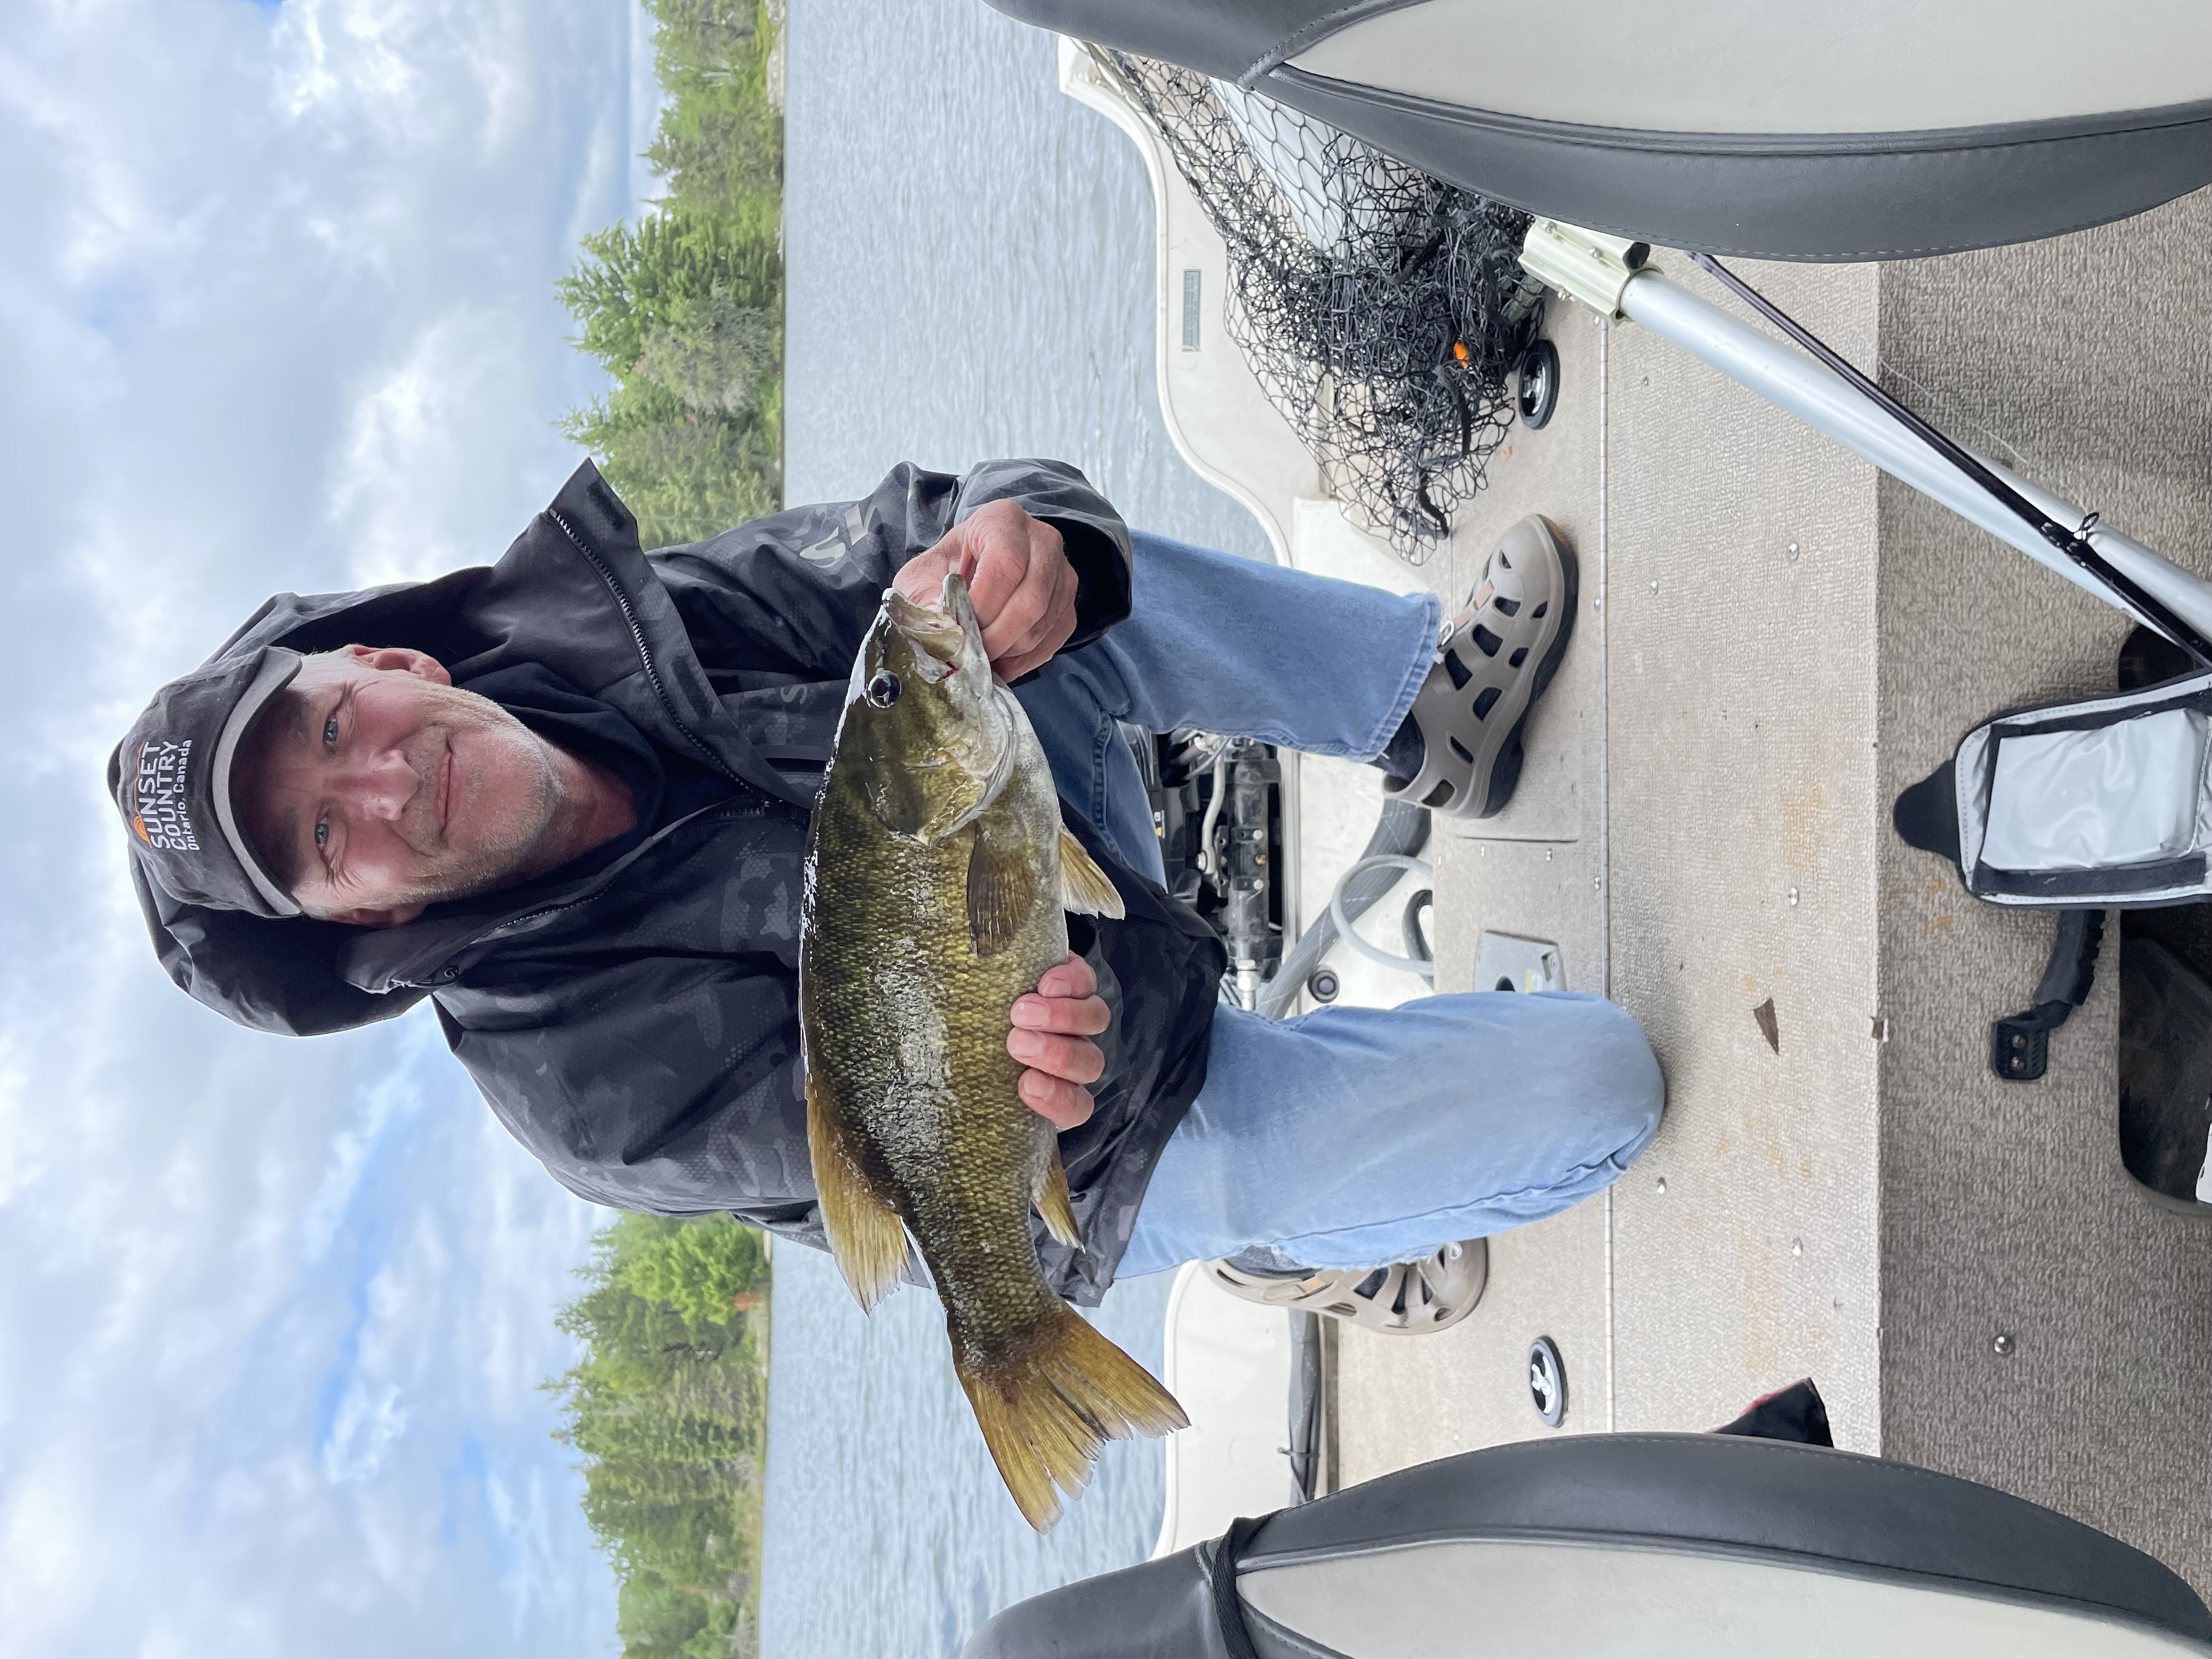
1611	1068
1635	1083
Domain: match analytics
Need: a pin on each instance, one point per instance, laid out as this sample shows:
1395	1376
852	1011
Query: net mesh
1382	310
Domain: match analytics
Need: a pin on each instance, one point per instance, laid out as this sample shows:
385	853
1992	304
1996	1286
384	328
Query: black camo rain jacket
638	1030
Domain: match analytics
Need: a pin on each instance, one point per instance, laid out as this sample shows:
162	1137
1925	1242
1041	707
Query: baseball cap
170	779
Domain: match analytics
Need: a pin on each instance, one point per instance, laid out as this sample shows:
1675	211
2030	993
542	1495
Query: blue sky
276	310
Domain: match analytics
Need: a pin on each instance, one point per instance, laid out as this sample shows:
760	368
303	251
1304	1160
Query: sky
276	311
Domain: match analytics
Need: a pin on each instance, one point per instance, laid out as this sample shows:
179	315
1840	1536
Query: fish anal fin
1048	1401
1001	889
864	1232
1054	1205
1084	887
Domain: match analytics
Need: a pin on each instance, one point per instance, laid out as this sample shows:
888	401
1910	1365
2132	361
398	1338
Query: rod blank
1823	401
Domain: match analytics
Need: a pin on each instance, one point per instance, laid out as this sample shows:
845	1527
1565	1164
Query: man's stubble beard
512	852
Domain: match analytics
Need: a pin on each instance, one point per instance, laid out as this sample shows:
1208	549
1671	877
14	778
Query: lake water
971	269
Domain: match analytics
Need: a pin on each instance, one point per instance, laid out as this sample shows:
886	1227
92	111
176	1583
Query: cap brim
279	667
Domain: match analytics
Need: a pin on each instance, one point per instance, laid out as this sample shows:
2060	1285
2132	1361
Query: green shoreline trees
668	1409
685	309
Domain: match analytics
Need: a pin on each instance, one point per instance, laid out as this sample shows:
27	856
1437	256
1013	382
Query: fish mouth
939	630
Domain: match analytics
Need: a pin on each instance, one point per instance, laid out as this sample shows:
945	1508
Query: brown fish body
937	877
909	1026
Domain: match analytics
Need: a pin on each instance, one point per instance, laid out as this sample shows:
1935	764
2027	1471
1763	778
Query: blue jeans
1351	1137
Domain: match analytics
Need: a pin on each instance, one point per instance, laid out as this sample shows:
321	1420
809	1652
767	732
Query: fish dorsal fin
1054	1204
865	1233
1084	887
1001	889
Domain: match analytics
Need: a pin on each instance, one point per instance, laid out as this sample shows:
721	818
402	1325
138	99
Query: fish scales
934	894
919	1067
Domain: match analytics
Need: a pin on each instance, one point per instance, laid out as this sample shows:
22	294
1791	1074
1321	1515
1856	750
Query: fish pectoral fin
1001	890
1048	1400
865	1235
1054	1205
1084	887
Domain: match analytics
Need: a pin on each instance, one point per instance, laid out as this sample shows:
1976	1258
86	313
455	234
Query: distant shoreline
683	309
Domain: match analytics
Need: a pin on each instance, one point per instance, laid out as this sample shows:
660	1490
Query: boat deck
1774	641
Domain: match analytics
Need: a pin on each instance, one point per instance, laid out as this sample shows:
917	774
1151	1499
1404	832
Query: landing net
1383	311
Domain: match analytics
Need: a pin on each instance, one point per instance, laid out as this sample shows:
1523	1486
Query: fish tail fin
864	1232
1054	1205
1047	1403
1084	887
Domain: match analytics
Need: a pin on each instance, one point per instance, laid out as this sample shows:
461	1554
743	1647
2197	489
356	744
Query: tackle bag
2077	807
2099	804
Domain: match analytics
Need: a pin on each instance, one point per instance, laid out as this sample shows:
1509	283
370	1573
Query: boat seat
1862	129
1633	1545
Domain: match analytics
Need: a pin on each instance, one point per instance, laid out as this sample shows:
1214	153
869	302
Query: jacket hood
575	592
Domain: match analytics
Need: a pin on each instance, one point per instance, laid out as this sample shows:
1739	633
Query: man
565	798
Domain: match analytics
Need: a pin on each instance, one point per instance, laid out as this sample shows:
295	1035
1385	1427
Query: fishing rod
2074	543
1608	273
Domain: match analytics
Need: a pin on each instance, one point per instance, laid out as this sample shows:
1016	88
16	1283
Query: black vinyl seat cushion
1793	1505
1783	196
1812	196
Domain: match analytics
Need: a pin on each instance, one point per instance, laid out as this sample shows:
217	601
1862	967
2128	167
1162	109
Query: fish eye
884	690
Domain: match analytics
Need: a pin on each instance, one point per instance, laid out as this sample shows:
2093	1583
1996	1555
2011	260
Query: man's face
372	788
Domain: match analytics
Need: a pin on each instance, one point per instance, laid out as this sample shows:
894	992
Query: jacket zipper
724	816
614	587
644	654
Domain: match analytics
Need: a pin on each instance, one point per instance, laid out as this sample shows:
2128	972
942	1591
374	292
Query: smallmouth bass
937	873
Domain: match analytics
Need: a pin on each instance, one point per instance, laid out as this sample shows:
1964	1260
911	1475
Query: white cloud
392	1102
276	310
52	1536
367	1423
24	1136
455	375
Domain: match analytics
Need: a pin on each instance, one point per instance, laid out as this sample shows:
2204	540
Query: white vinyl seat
1858	130
1634	1547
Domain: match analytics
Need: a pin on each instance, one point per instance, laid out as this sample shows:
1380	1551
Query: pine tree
667	1410
684	308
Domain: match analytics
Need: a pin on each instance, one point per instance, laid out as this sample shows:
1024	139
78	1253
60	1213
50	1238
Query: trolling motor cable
2074	543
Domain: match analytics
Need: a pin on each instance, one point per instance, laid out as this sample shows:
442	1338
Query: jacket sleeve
1097	540
792	594
685	1099
690	1101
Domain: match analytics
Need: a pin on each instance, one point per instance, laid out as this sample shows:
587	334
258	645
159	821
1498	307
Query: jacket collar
429	952
662	688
